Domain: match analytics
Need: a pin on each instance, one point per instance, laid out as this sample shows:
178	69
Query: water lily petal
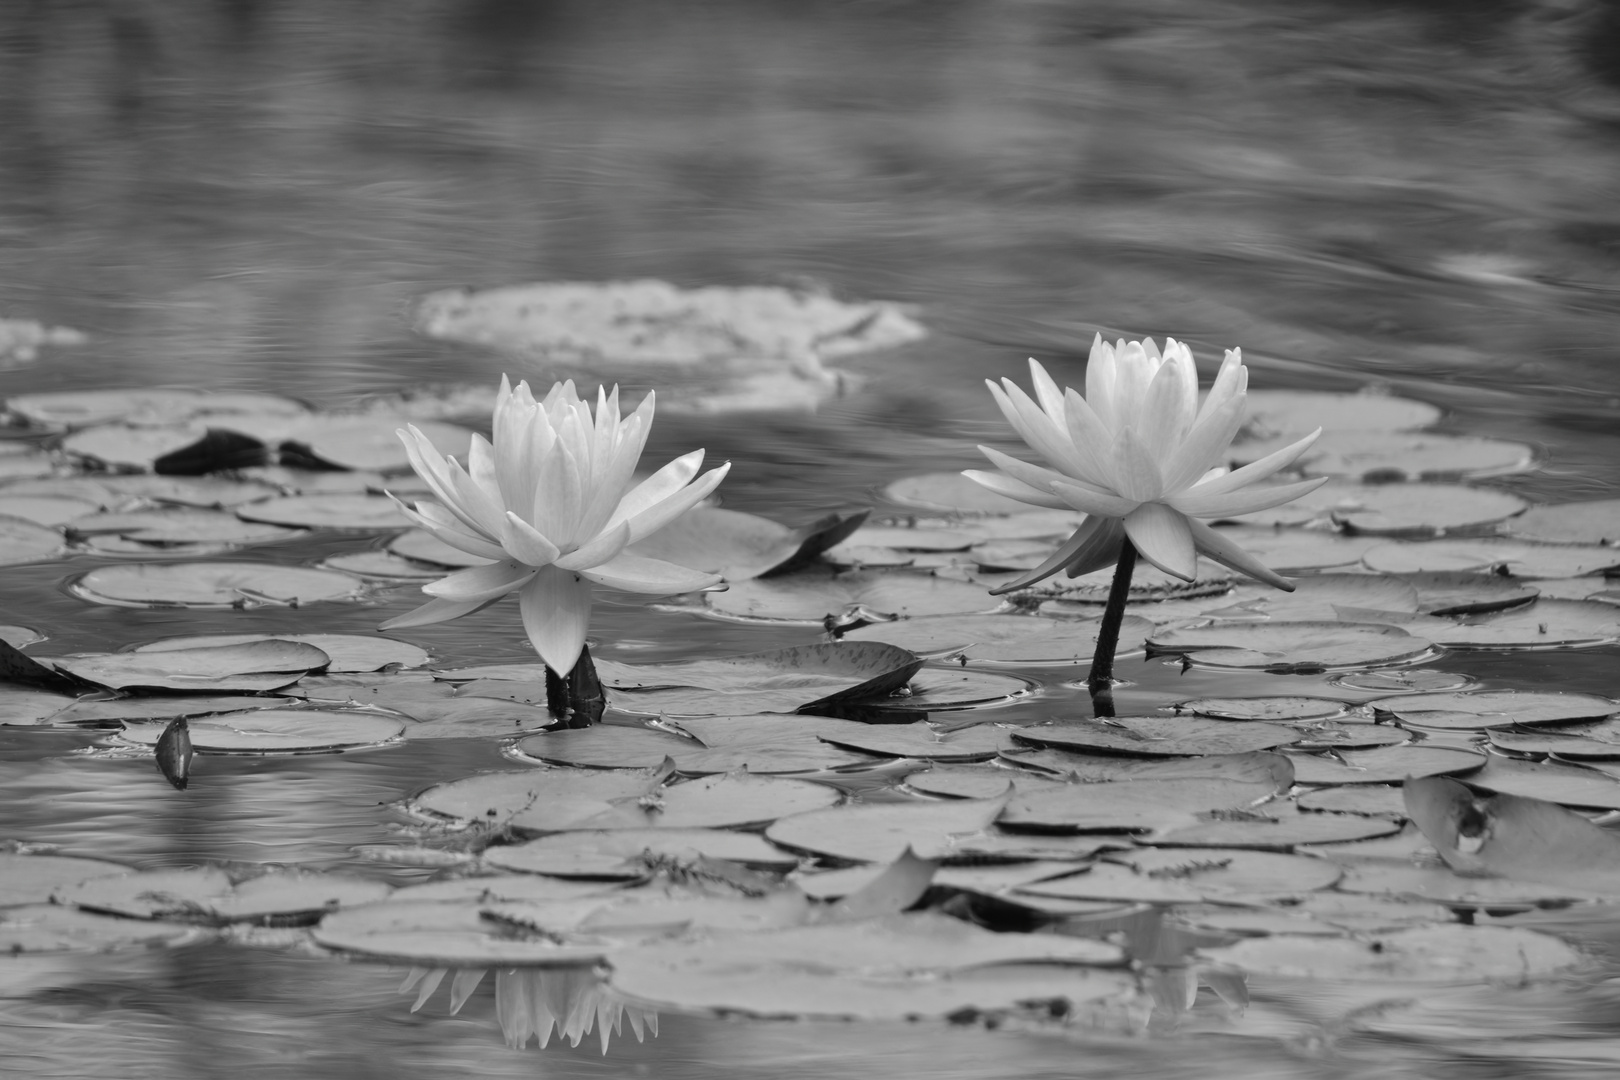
556	606
1036	428
1087	501
1169	404
1035	476
1092	440
434	611
638	574
657	487
597	550
1134	369
431	466
1162	538
1047	393
657	516
1101	377
480	584
1220	548
1013	488
1231	381
558	495
1257	470
449	528
526	544
1094	545
1136	472
1204	445
609	482
1194	503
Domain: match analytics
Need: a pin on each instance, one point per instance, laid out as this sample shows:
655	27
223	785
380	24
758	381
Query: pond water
235	196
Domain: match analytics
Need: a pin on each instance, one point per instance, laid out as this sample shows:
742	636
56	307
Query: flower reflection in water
569	1001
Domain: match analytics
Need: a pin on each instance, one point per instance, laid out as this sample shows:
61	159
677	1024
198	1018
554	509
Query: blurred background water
238	194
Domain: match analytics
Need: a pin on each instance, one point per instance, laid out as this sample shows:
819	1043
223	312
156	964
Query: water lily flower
1141	459
551	506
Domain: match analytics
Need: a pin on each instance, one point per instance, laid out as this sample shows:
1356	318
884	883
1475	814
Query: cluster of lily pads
913	813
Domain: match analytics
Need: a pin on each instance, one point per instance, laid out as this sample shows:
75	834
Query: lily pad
48	510
624	853
1448	953
921	740
277	731
266	663
1596	521
361	513
1286	412
1296	646
114	711
742	546
203	492
804	677
280	897
1385	765
731	800
1459	592
949	491
1551	781
1379	456
24	541
366	443
1544	624
535	800
1277	827
347	652
897	967
422	546
1194	875
1019	639
1265	708
51	928
449	933
1477	710
1155	736
1131	805
881	832
81	408
382	565
814	596
1524	560
1375	799
25	708
1417	509
212	585
180	526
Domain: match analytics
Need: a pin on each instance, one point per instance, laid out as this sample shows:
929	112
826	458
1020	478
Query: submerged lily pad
212	585
277	731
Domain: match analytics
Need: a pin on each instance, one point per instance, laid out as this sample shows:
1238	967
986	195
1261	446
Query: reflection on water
535	1002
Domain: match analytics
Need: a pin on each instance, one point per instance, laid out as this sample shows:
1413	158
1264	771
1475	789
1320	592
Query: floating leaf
1431	954
1332	735
203	492
803	677
908	966
1277	827
1006	638
1301	646
423	546
1385	765
950	687
1521	559
364	443
34	879
1295	551
979	743
1359	799
1379	457
346	652
731	800
281	897
1264	708
1477	710
766	743
23	541
1594	739
1171	875
882	832
47	510
367	513
81	408
1458	592
1413	681
538	800
742	546
813	596
26	708
278	731
113	711
212	585
1132	805
1544	624
1154	736
1551	781
949	491
185	446
976	781
179	526
625	853
1299	412
51	928
1596	521
383	565
447	933
1416	509
265	663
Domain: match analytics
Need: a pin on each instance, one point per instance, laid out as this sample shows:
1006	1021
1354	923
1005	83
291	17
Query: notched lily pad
1544	624
34	879
212	585
881	832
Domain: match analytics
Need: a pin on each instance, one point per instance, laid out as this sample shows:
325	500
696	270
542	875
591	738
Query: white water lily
1141	459
551	505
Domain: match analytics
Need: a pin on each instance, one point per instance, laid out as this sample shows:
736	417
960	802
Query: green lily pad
381	565
1417	509
1431	954
731	800
450	933
1194	875
623	853
264	663
362	513
813	596
1300	646
48	510
1155	736
81	408
1374	799
280	897
921	740
1550	781
113	712
422	546
366	443
1543	624
803	677
881	832
1276	827
1300	412
212	585
1521	559
1132	804
51	928
1460	592
534	800
743	546
1596	521
949	491
179	526
1265	708
1384	765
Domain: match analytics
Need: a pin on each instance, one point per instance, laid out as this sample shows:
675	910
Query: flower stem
577	700
1101	680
